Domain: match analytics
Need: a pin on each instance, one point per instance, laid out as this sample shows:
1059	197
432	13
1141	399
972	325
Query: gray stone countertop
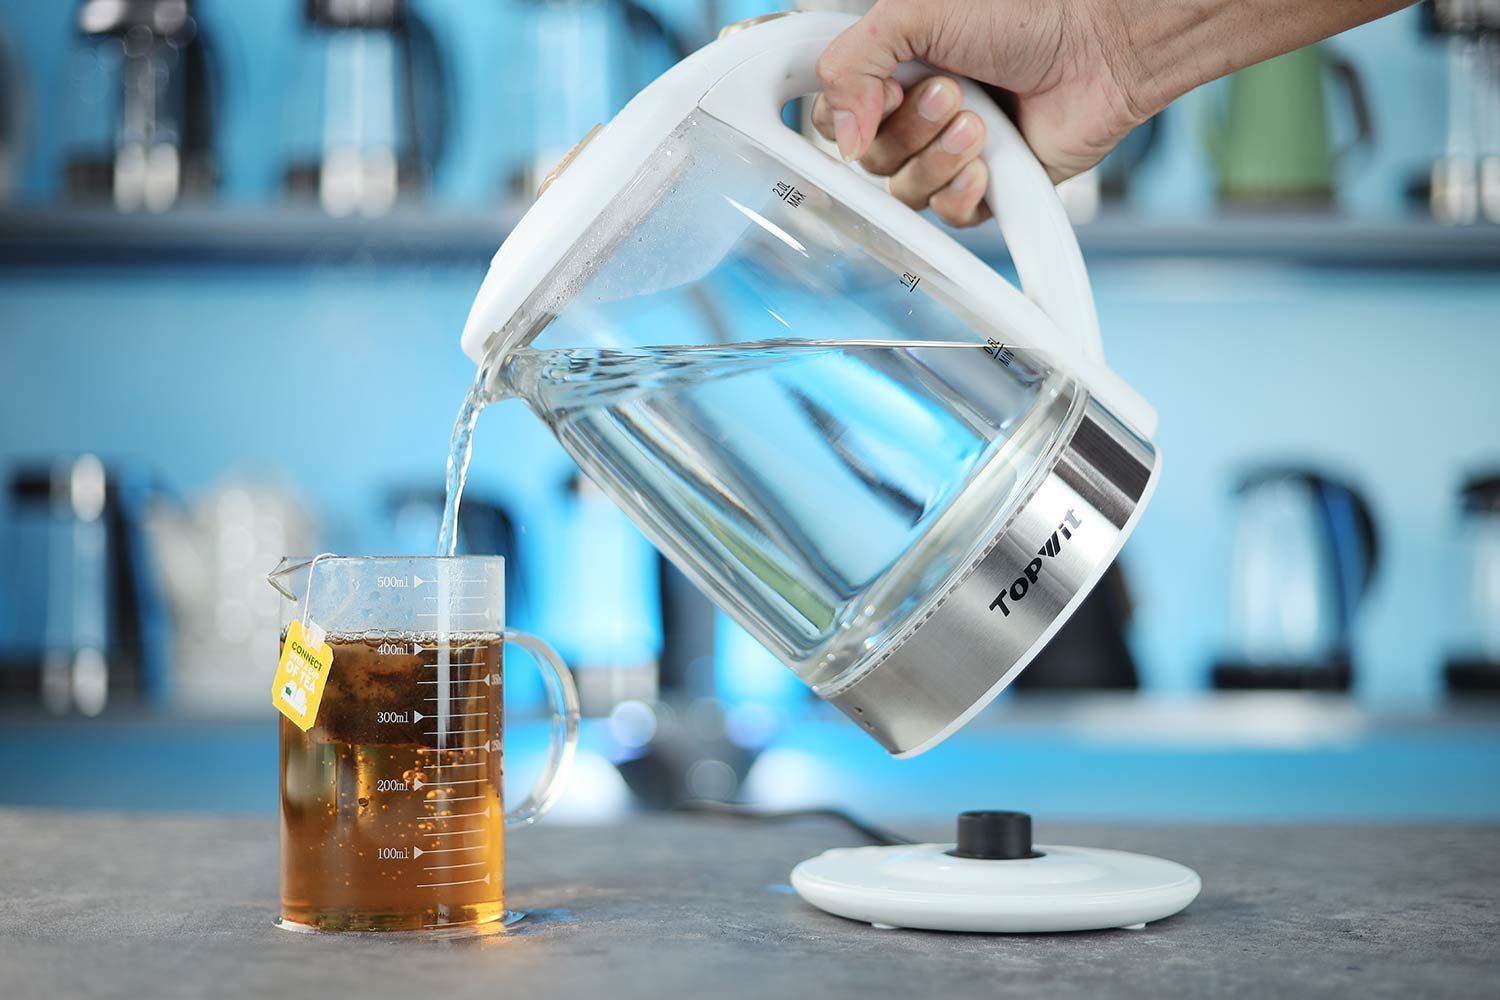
149	905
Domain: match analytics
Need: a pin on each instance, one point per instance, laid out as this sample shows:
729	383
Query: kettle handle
1023	199
1359	105
1031	216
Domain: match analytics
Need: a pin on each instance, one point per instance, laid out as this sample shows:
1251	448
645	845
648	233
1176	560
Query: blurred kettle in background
1464	182
212	558
1304	555
140	119
381	128
15	119
1476	667
1090	652
1272	147
609	609
588	58
88	620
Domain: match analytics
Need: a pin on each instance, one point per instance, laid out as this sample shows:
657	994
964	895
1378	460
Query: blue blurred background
1331	347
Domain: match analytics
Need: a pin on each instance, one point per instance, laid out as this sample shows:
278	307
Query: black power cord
735	810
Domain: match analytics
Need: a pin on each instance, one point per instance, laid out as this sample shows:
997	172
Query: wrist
1164	48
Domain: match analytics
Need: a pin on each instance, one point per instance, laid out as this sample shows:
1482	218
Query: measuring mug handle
563	696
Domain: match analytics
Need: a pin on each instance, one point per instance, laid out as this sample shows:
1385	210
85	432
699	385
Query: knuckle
904	192
955	206
821	119
893	95
948	213
827	68
949	206
935	169
881	160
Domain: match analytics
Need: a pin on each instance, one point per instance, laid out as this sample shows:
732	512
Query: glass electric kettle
1474	666
1306	551
895	470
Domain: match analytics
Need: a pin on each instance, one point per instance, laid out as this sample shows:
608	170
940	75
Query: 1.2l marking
999	351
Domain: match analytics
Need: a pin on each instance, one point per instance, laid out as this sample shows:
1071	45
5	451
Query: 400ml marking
1022	584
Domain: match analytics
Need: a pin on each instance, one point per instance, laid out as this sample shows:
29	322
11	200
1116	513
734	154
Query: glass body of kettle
795	407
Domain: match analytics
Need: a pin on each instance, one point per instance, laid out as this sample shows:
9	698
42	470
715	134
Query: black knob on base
993	835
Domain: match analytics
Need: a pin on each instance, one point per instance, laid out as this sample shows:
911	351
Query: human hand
1082	73
1071	101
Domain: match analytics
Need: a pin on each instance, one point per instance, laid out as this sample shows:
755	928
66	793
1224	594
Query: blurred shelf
289	235
1300	240
245	236
1326	242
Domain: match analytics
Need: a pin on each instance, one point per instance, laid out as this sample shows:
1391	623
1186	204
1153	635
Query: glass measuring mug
392	812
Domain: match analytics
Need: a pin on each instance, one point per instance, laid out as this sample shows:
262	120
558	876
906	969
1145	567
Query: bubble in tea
391	804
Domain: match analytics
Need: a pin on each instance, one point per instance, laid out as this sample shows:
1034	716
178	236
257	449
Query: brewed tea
391	805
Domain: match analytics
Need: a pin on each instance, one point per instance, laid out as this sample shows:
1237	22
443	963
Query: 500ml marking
401	582
1050	549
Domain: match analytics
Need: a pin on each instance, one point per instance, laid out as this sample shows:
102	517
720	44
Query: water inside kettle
820	491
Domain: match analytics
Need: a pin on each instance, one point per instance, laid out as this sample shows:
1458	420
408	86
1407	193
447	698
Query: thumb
853	71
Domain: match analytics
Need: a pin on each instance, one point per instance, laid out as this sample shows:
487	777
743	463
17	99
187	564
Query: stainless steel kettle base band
993	622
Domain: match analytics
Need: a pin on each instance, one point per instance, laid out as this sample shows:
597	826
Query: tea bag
302	672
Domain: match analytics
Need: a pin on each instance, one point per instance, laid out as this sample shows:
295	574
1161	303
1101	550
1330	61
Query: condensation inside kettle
783	398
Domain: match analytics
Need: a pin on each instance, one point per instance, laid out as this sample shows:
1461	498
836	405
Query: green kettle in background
1270	141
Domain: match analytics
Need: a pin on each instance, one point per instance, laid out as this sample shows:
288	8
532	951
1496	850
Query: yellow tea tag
301	675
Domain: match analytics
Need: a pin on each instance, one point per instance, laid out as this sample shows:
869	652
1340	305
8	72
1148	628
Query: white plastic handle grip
1031	217
1022	197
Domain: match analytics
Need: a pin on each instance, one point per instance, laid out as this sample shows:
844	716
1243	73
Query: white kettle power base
923	886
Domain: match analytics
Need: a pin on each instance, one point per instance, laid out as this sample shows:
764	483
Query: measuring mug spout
290	577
